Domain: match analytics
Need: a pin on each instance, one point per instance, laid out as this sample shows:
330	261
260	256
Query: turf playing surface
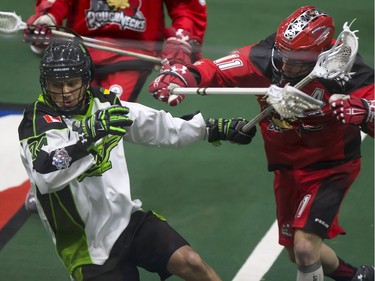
220	198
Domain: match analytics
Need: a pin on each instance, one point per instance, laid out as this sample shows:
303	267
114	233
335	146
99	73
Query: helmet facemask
291	67
66	95
65	76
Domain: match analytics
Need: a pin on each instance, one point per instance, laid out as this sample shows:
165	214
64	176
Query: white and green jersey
83	193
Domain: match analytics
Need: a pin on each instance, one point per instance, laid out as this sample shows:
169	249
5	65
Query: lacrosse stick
220	91
288	102
334	63
10	23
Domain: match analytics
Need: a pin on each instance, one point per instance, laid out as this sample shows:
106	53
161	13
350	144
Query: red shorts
127	84
311	200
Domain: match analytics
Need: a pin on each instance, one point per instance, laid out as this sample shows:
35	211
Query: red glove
171	77
39	33
352	110
181	47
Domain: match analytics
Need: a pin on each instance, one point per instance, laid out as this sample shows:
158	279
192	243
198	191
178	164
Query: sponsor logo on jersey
124	13
51	119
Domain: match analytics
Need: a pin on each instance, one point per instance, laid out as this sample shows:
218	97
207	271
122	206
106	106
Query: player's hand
171	77
181	47
112	120
228	129
352	110
41	9
39	32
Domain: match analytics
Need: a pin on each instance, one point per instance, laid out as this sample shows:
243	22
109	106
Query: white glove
46	19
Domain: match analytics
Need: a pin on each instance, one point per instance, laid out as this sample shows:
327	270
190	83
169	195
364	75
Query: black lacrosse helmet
61	61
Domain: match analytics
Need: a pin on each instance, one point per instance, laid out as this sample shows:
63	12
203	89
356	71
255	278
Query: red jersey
140	23
314	141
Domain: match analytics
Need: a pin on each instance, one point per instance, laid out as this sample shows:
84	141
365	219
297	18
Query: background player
140	26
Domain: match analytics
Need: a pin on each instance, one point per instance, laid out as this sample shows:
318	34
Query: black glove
112	120
228	129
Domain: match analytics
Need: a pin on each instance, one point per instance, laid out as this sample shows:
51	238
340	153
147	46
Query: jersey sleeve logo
61	159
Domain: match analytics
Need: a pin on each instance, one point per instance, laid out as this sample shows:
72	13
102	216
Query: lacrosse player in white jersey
72	142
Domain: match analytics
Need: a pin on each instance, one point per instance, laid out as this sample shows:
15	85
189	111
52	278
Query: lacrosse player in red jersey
80	176
137	25
315	156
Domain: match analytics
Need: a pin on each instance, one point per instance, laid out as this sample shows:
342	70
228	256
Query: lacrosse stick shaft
304	81
123	52
246	128
10	23
86	39
220	91
98	44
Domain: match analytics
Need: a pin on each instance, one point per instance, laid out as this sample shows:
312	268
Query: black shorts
148	242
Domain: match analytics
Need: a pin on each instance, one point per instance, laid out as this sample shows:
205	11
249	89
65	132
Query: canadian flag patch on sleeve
51	119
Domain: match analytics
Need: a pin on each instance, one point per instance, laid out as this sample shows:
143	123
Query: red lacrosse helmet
305	34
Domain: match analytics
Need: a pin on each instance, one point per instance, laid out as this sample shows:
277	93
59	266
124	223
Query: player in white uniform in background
72	146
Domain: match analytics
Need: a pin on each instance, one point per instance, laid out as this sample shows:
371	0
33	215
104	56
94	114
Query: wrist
53	19
46	19
80	127
370	106
212	132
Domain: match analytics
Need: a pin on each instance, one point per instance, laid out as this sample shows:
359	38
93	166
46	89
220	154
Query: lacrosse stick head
290	102
337	62
10	22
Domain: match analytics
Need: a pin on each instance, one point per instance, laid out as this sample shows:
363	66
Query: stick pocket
290	102
10	22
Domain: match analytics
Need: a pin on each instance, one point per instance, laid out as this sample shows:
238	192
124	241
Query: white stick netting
289	101
337	62
10	22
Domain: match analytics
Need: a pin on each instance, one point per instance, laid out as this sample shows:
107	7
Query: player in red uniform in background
314	157
139	25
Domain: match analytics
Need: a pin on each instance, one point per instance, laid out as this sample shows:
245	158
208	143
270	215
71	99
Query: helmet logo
60	69
325	31
296	26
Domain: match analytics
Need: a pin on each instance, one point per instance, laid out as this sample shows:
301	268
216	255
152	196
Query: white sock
313	272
